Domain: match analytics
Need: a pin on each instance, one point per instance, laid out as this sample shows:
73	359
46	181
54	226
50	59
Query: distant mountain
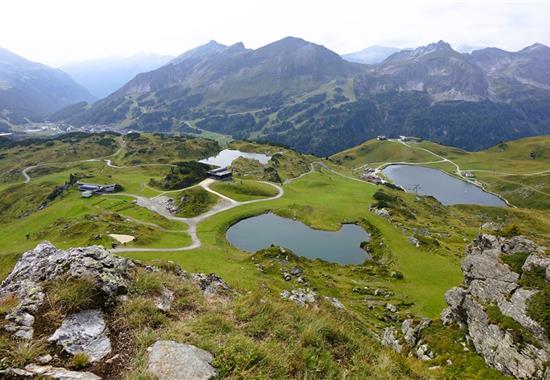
371	55
104	76
467	49
303	95
32	91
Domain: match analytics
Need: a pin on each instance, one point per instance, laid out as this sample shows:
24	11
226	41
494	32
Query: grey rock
391	308
211	284
33	370
163	301
335	302
384	213
84	332
389	339
411	330
176	361
414	241
46	262
537	260
286	276
44	359
296	271
302	297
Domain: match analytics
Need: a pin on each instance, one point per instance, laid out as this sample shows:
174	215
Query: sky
56	32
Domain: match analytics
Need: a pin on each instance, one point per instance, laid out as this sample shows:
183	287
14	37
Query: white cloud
59	31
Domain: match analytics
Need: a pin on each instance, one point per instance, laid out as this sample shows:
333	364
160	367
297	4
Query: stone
84	332
411	330
335	302
211	284
46	262
302	297
296	271
391	308
414	241
537	260
383	212
286	276
177	361
163	301
389	339
44	359
33	370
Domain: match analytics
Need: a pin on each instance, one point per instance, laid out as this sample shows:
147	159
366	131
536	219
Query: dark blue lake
261	231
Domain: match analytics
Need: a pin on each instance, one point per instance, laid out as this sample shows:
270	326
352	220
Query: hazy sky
60	31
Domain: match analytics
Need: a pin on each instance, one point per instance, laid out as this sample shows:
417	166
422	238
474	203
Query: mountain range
31	91
106	75
303	95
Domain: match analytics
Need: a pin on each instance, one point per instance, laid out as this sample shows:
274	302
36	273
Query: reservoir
261	231
226	157
445	188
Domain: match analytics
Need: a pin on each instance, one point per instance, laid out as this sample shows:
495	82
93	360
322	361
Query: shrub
79	361
515	261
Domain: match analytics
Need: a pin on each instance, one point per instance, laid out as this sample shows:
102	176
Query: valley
415	245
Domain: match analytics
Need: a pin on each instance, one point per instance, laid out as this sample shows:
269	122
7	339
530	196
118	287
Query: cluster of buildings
89	189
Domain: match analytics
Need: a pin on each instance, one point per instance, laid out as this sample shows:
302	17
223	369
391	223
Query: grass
244	190
194	201
71	295
322	200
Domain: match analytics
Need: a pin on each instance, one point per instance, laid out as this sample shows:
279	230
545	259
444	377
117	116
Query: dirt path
156	204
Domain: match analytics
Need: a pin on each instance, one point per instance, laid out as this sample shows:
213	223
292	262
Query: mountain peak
535	47
212	47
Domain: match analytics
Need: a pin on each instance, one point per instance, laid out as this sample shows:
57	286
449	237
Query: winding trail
156	205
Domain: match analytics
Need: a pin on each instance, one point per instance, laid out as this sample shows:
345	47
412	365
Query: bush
515	261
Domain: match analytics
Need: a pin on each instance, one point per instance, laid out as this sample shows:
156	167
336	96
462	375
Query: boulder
84	332
46	262
335	302
177	361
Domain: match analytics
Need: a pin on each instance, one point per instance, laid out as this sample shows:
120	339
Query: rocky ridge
493	292
92	334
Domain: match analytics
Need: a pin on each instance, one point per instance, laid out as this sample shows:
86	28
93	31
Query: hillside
272	313
302	95
31	91
101	77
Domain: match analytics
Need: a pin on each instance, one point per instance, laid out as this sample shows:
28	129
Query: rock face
489	281
84	332
45	263
176	361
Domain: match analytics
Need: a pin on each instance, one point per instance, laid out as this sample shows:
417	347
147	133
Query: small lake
445	188
227	156
261	231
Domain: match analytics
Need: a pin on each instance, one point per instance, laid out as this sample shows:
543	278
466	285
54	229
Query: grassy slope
244	190
322	200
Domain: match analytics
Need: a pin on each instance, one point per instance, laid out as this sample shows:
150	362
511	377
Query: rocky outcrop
177	361
212	284
302	297
45	263
409	339
84	332
490	283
